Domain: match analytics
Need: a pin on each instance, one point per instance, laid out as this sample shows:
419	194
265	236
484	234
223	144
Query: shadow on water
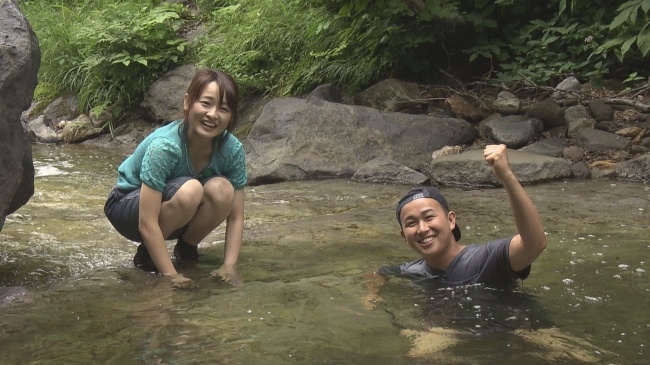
307	248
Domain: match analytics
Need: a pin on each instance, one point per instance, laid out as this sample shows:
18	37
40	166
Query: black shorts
122	208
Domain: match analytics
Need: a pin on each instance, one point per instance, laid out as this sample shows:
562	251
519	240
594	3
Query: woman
184	180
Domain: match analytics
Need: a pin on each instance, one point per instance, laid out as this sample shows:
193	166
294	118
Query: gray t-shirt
476	264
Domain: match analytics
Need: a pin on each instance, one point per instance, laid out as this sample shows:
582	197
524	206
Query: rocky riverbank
398	132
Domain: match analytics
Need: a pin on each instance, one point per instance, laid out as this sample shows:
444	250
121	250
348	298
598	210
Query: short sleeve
236	172
158	162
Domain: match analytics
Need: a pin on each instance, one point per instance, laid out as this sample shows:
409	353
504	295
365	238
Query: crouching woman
184	180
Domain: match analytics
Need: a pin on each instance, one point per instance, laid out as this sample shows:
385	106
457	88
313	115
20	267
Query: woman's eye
205	103
225	110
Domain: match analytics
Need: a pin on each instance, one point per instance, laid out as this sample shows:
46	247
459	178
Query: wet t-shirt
476	264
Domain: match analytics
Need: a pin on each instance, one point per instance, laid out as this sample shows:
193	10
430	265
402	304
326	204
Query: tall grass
283	47
105	52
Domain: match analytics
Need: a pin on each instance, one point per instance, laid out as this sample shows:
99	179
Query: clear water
308	250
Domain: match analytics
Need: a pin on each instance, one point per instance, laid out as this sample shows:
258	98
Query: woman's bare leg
218	197
179	210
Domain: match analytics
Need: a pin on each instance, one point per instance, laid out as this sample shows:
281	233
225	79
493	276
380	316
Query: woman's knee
189	195
219	190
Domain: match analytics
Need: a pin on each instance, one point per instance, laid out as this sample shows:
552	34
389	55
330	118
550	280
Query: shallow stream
309	252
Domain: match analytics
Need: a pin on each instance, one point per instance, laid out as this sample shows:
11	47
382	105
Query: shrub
285	47
105	52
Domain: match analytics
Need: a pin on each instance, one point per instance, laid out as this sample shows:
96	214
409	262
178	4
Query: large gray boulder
163	102
20	59
636	169
469	169
296	139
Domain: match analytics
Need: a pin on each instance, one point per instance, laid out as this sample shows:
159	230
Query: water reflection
307	249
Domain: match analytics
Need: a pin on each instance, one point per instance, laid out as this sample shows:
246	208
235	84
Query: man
429	227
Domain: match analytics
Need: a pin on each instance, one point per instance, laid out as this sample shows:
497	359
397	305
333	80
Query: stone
39	131
563	88
98	121
557	132
574	113
639	150
462	109
578	125
79	130
548	147
606	126
549	112
389	95
447	150
629	132
580	170
507	103
163	102
600	111
594	140
514	131
573	153
603	174
62	108
328	92
298	139
384	170
19	63
636	169
469	170
603	165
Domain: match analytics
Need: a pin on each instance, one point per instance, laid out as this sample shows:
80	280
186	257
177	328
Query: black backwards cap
420	192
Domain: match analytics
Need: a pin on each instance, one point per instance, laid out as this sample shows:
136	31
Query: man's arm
531	240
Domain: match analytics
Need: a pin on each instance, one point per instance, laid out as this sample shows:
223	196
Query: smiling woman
184	180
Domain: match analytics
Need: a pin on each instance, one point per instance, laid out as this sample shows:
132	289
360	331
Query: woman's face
208	117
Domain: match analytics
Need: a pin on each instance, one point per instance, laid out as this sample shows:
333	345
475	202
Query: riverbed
309	252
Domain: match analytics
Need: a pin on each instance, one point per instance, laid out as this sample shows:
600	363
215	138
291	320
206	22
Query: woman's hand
181	282
227	273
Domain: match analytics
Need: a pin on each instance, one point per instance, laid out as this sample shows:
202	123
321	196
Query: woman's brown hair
227	87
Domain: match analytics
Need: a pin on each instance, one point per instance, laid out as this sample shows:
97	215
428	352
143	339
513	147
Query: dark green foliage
105	52
108	52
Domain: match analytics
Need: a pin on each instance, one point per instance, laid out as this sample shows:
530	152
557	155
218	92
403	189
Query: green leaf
633	14
562	6
490	23
645	5
142	61
599	14
628	4
551	39
480	4
620	19
626	46
473	56
643	41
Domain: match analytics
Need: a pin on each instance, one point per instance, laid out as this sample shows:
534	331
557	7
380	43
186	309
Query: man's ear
401	232
452	219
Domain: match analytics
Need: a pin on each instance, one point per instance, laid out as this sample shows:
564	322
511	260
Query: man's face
427	227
